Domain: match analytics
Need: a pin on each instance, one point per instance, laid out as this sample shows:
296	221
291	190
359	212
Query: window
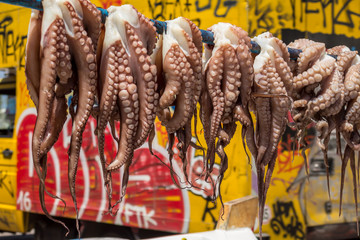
7	101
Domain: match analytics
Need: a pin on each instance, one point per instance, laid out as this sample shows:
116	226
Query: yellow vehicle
296	207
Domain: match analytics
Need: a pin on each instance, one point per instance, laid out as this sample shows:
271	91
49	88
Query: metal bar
207	36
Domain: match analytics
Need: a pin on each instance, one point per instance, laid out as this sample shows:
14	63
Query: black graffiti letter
228	4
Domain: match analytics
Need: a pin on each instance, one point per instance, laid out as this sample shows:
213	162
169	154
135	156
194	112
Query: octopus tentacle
325	128
85	62
55	124
184	139
279	108
128	105
231	83
32	66
352	82
349	154
241	111
205	113
344	60
46	91
311	52
214	74
194	42
64	66
48	106
92	21
171	69
315	74
263	112
241	116
336	107
331	91
283	69
109	90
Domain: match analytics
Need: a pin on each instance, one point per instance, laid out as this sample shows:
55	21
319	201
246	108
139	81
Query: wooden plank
239	213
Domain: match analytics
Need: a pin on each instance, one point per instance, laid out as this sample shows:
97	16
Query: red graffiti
107	3
152	201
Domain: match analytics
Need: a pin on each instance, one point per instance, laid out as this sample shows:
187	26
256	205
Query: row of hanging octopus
124	71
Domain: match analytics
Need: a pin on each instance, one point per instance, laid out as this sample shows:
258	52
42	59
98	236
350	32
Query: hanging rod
207	36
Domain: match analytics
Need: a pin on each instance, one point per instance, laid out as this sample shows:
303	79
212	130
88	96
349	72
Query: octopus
178	58
272	84
226	92
60	59
314	73
135	75
128	86
327	93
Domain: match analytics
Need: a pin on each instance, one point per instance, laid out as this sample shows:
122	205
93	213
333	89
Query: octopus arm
184	56
55	124
279	109
109	90
81	47
263	129
172	73
46	91
184	140
128	113
241	116
184	103
311	52
344	60
146	32
91	20
309	55
230	83
349	155
284	72
352	82
330	92
144	74
247	73
194	58
214	74
32	66
44	133
336	107
205	113
315	74
348	126
263	111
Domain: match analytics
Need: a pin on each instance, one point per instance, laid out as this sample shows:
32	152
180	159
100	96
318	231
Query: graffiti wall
283	214
152	200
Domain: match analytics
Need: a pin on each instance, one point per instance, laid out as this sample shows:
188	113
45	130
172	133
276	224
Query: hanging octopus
314	73
272	84
138	81
60	55
180	49
128	87
226	92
